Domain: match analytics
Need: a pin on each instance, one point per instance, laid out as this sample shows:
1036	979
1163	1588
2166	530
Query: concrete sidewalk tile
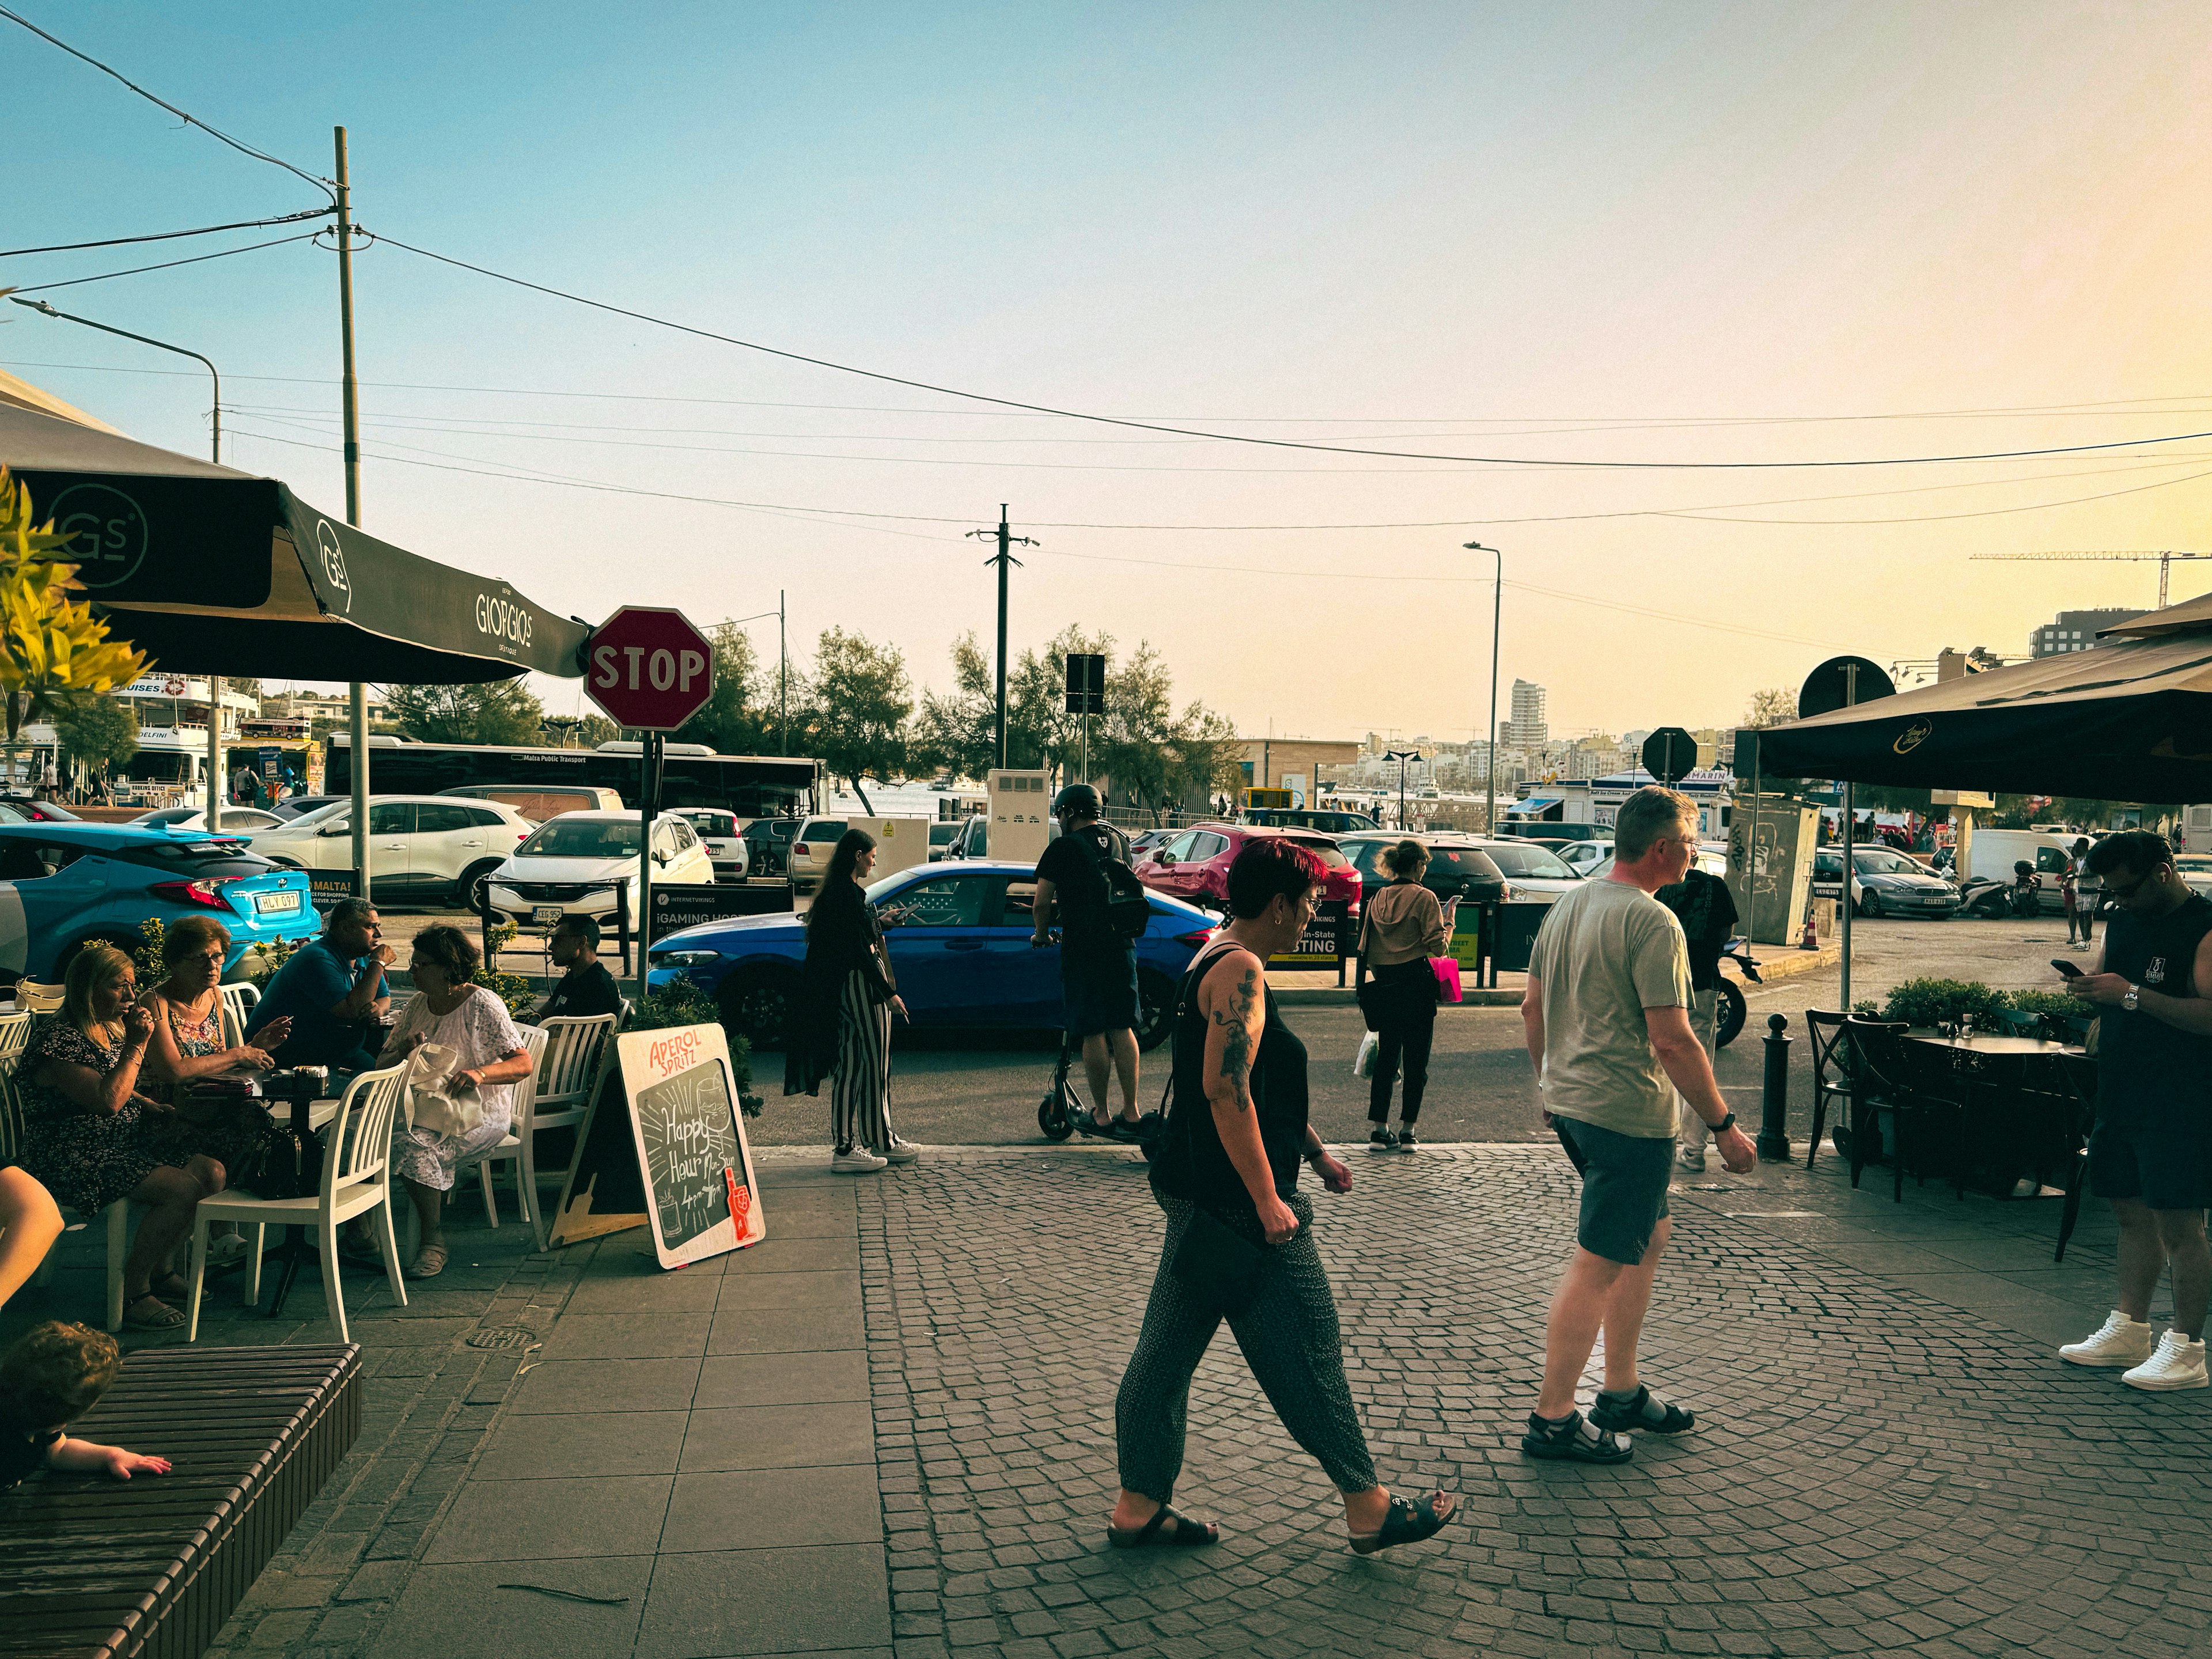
791	1290
656	1291
633	1385
762	1509
627	1336
785	1330
452	1610
778	1436
782	1379
534	1446
806	1221
807	1599
774	1255
542	1520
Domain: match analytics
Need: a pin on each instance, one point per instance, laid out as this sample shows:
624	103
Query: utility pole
1007	542
782	672
349	409
1490	737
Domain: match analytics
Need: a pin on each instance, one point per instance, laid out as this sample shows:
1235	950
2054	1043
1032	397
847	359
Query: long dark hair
850	846
839	893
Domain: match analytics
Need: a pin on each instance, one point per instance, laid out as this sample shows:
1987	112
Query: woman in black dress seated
85	1132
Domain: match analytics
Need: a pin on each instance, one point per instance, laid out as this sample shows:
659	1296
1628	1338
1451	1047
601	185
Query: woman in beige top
1403	927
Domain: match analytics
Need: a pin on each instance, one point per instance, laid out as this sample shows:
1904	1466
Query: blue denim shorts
1625	1182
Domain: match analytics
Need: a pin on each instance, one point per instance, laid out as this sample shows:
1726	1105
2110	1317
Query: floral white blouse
482	1033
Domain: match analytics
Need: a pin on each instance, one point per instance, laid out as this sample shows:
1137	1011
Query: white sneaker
227	1251
900	1151
2179	1364
2120	1340
1693	1158
858	1161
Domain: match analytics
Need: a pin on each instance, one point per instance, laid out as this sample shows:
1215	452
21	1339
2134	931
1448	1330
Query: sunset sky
1573	234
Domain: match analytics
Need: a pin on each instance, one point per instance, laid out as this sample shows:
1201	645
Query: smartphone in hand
2066	970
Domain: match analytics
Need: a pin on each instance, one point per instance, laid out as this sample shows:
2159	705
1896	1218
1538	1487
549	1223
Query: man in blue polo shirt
333	989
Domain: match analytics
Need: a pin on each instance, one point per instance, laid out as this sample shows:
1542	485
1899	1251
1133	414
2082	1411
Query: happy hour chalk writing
689	1140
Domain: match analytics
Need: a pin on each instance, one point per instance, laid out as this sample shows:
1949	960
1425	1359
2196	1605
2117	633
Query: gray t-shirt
1607	953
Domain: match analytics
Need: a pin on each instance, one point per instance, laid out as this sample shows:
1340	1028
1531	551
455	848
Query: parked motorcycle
1729	1014
1981	896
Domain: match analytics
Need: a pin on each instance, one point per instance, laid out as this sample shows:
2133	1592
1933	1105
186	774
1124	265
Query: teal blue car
64	885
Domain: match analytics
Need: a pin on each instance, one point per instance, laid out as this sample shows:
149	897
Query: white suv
422	850
723	837
572	864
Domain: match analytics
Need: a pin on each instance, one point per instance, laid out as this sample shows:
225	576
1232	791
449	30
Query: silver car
1538	875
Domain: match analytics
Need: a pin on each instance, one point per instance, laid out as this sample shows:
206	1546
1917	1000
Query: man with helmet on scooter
1098	966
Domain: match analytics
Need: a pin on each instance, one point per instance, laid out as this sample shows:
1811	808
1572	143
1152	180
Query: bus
749	786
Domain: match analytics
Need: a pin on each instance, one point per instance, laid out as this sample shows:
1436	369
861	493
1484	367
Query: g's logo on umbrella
107	533
1913	736
334	566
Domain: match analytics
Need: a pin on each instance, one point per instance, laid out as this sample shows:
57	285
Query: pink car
1193	864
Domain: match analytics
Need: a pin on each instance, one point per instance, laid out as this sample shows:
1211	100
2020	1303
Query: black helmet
1080	799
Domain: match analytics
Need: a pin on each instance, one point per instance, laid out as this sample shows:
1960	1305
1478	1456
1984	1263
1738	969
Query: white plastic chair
39	999
575	1045
237	1002
14	1038
356	1178
510	1149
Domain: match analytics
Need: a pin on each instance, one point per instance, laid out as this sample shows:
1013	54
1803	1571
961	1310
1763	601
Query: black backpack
1116	903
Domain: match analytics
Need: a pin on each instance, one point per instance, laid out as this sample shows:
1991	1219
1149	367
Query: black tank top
1190	1162
2146	1070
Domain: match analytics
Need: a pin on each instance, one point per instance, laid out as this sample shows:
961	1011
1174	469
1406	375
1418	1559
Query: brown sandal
429	1262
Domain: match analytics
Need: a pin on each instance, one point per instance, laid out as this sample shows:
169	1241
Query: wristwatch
1728	1122
2132	1000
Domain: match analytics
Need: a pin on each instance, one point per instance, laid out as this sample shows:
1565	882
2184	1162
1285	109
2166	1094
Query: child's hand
124	1464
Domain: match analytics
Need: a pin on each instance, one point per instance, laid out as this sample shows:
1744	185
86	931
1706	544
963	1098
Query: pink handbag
1446	969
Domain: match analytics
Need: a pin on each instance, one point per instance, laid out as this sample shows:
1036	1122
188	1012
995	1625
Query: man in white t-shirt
1606	1016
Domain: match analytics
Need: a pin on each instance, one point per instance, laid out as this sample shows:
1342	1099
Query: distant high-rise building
1526	731
2074	630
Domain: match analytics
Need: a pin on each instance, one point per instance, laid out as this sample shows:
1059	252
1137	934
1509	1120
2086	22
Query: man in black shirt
586	987
1098	966
2151	1152
1706	909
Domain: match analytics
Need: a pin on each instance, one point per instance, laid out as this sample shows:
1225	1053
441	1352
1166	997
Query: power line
171	236
186	116
167	265
2118	407
1714	515
1277	443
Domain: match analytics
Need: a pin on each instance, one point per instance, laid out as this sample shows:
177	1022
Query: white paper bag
435	1101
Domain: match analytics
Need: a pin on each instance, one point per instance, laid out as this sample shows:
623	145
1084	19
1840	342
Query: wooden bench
92	1568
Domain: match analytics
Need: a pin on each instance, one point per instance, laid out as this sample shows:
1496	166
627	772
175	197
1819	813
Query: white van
1994	853
900	843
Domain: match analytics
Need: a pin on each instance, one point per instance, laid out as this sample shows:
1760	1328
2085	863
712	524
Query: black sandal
1568	1440
1188	1535
1409	1521
1624	1414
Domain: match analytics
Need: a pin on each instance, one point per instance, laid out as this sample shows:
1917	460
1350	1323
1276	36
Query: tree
859	704
1775	706
592	730
495	711
741	717
99	732
54	653
956	733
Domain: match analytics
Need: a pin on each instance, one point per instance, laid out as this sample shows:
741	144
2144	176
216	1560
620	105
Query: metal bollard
1774	1102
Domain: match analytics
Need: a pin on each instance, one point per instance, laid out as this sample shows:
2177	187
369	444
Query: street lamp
215	416
1490	737
1402	756
215	409
783	663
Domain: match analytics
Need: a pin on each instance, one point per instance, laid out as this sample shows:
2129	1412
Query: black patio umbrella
207	570
2130	719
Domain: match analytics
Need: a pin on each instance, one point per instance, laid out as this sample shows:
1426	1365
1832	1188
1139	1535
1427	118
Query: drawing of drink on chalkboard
700	1193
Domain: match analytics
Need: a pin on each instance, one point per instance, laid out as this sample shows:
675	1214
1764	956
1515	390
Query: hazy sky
1666	232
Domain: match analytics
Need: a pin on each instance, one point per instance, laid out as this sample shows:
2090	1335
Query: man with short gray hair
1606	1016
334	991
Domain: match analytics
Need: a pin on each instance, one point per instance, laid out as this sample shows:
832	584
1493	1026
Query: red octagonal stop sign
650	668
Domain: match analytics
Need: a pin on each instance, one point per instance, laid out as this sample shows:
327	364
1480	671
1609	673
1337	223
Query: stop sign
650	668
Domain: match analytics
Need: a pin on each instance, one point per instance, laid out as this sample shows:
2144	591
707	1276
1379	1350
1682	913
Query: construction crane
2164	560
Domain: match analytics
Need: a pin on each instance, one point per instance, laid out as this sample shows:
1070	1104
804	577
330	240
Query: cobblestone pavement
888	1431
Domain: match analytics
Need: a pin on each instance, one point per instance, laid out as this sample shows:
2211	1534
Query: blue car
66	884
959	938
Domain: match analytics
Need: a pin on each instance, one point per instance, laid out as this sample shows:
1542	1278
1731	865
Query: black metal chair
1831	1075
1879	1067
2081	1074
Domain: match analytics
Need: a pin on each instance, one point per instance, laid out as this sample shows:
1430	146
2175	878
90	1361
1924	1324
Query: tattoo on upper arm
1237	1038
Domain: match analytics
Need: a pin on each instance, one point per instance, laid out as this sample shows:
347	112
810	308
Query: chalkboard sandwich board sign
701	1197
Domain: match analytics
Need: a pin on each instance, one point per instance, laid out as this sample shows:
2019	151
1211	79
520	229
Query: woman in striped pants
842	1029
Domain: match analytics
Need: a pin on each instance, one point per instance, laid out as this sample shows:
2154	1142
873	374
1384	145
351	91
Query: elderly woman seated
86	1129
452	1012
